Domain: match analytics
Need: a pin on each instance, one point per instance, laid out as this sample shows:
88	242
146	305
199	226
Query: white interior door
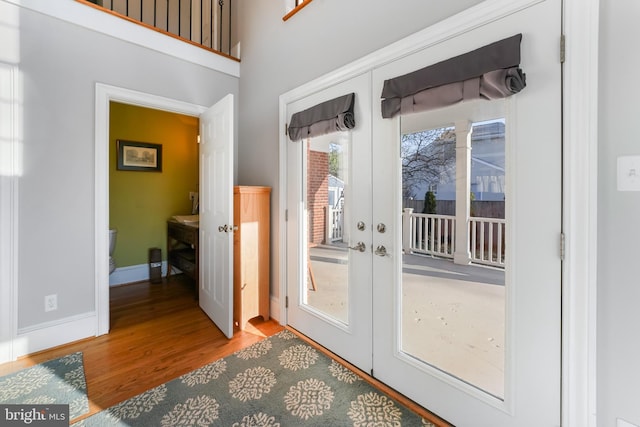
329	230
525	386
216	214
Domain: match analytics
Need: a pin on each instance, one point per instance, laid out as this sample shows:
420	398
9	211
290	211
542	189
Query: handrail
206	20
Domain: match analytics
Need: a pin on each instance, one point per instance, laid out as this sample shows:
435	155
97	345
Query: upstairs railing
205	23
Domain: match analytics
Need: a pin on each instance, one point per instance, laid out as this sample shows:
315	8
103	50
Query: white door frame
10	171
104	95
580	148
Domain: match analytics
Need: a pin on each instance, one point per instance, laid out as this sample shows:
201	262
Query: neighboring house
53	53
487	167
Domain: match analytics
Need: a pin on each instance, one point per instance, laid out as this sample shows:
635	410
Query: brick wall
317	193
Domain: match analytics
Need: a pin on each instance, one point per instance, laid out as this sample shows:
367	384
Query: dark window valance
490	72
330	116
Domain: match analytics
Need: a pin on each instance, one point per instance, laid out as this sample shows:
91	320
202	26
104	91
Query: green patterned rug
280	381
58	381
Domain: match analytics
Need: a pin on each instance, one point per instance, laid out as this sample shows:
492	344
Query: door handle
381	251
227	228
360	247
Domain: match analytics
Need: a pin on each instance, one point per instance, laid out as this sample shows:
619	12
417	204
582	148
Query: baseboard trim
134	273
52	334
274	308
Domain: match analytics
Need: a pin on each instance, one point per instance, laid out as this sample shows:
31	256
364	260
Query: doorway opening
105	95
141	200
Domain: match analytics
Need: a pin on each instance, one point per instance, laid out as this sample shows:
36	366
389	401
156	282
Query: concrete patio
453	315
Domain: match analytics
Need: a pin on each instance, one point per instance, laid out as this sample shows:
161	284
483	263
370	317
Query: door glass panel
453	281
327	202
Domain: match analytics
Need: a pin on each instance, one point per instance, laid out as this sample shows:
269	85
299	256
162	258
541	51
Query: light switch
629	173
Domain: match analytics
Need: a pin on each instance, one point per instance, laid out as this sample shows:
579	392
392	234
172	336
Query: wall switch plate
51	302
629	173
623	423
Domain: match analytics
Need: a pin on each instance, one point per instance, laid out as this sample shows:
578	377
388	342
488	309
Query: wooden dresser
251	249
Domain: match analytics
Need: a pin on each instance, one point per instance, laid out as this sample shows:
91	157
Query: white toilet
112	246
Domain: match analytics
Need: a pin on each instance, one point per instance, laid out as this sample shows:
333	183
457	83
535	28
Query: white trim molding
135	273
580	185
55	333
92	19
104	95
10	171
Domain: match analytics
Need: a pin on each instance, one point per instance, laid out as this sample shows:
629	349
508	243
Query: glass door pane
327	204
453	281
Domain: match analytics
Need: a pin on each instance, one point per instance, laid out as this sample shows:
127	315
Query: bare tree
428	157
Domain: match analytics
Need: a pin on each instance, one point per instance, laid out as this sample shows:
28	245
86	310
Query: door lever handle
360	247
381	251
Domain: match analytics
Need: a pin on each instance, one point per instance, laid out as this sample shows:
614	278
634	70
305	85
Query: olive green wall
141	202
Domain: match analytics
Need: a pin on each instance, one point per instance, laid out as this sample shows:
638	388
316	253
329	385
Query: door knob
227	228
360	247
361	226
381	251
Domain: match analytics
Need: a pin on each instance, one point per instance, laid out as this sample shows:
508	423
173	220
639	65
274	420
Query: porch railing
334	227
206	23
487	237
432	234
436	235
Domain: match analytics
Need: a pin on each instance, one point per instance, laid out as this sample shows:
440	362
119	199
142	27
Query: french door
475	341
329	230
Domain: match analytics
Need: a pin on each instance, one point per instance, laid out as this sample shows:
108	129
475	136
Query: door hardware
360	247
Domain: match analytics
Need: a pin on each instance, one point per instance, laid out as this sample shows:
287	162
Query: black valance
490	72
330	116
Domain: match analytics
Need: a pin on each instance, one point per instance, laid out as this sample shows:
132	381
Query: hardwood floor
158	333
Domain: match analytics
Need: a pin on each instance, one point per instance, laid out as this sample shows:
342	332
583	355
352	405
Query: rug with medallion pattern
57	381
279	381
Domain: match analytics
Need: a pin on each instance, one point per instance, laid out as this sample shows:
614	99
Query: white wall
278	56
59	64
618	217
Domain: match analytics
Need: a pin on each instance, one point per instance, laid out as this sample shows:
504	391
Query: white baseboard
133	273
52	334
274	308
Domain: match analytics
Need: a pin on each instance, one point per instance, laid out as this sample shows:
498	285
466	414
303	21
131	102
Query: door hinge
562	246
286	129
286	302
562	49
286	215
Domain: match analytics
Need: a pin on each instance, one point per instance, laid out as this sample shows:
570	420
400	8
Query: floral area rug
279	381
58	381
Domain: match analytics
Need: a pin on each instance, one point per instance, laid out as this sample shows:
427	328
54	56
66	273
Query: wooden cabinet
183	249
251	248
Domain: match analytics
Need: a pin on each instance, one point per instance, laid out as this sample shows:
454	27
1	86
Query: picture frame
138	156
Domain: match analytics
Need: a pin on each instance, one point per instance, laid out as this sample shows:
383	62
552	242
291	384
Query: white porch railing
334	227
436	235
487	240
431	234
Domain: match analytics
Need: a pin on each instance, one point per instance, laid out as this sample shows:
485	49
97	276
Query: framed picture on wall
138	156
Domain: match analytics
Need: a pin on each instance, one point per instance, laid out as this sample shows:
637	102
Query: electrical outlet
192	195
51	302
